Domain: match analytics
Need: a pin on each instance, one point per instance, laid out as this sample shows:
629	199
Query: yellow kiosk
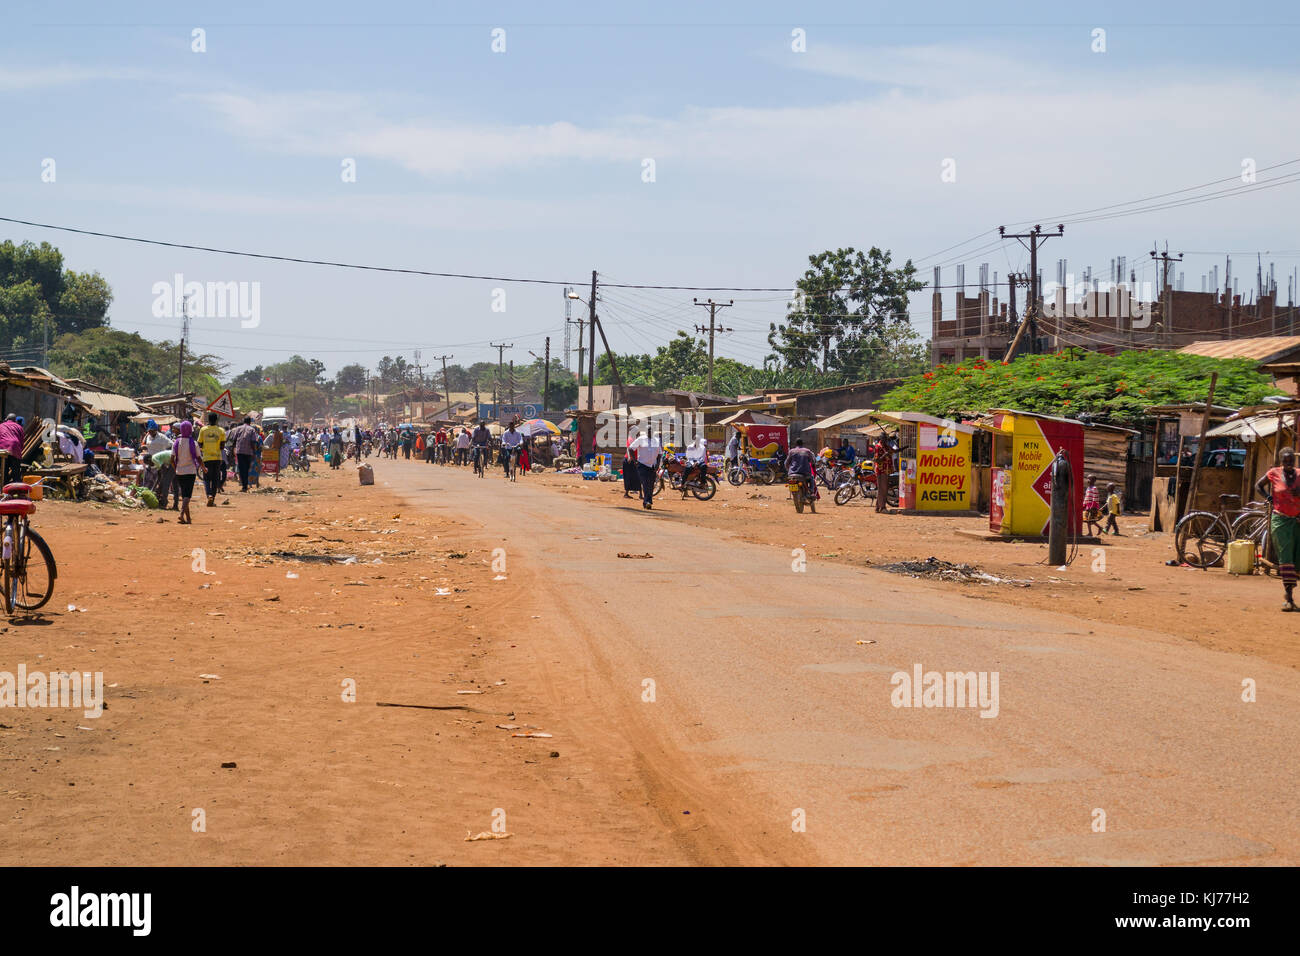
1024	446
935	463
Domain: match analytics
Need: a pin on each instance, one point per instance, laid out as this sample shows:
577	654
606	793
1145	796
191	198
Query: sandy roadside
316	780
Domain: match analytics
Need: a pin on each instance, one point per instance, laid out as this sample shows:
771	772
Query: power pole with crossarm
713	308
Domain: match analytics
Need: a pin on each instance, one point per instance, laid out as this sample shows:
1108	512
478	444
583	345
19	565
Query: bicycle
28	583
511	462
480	465
1256	524
1201	537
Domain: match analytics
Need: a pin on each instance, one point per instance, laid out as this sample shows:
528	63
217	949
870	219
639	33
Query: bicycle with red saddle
27	569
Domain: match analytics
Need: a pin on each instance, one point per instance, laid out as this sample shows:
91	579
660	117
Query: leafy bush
1110	387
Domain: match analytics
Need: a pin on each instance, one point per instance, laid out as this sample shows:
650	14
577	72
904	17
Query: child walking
1112	509
1092	507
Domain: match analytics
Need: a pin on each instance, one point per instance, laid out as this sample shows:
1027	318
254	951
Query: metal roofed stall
936	463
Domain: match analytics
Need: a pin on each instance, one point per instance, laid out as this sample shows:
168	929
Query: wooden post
1200	444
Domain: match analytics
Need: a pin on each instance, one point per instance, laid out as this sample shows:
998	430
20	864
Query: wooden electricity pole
446	387
1036	238
591	347
713	308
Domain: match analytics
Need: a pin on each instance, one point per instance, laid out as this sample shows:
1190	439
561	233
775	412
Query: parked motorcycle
864	483
702	486
299	461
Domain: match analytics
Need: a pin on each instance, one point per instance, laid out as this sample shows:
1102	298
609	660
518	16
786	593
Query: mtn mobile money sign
1026	487
943	470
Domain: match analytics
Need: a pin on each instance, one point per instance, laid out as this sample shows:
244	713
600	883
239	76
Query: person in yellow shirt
211	437
1113	509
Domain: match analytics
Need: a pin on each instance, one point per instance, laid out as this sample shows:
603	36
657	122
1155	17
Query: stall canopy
100	401
747	417
850	416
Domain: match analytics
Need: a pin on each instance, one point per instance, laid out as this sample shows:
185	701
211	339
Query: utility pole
546	373
185	331
613	366
591	347
581	349
512	381
496	384
568	320
1036	238
446	387
1166	295
1012	279
713	308
419	380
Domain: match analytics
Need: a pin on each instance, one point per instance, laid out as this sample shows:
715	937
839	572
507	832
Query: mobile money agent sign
1024	447
935	463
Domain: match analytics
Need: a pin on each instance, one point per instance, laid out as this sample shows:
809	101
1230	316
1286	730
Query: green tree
39	301
128	363
845	301
350	378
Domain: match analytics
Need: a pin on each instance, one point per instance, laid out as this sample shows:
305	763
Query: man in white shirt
647	449
510	442
697	461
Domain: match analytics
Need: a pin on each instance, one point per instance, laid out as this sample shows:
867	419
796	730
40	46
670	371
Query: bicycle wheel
7	575
35	573
1255	526
1201	539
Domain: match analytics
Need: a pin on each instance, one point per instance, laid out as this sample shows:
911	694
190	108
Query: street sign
224	405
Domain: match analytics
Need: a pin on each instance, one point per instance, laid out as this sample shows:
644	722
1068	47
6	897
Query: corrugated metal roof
1261	349
841	418
1257	426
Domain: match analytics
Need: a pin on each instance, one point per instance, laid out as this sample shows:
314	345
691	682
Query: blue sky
529	162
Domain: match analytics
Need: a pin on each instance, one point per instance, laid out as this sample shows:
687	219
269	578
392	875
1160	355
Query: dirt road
768	707
703	702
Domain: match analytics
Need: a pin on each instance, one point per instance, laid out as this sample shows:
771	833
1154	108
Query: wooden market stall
1263	430
935	463
1177	436
828	431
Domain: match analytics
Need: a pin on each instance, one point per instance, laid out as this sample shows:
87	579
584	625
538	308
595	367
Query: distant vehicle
275	415
1224	458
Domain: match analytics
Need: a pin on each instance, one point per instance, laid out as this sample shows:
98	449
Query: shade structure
538	426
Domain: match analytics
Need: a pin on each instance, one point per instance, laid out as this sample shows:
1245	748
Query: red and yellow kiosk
1024	446
935	462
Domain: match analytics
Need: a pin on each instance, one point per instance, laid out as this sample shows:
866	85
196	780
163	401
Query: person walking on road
188	462
211	437
1281	487
647	449
631	481
243	438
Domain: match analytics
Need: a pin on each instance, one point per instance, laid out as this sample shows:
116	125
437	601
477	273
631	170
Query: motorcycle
766	471
803	490
299	461
686	477
864	483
